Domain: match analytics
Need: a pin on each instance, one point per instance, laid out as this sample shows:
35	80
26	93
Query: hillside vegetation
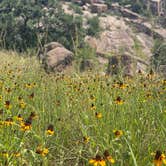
66	120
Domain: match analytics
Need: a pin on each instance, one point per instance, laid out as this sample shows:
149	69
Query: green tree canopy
25	24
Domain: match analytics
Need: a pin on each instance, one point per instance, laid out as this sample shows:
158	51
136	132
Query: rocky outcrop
147	28
116	35
55	57
139	22
98	8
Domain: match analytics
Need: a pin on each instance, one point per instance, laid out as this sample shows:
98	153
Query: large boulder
56	58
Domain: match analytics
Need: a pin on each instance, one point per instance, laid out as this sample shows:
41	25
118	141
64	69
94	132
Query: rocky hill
123	31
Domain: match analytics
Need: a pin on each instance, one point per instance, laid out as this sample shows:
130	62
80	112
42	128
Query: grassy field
79	120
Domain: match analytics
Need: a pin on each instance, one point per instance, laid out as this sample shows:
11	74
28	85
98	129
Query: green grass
65	101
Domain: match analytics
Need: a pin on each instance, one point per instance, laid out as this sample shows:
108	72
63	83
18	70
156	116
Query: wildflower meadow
79	119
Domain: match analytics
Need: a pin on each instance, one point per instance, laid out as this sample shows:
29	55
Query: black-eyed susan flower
159	158
42	151
98	115
28	86
97	161
121	85
7	105
8	90
26	125
119	100
22	104
50	130
20	99
19	118
118	133
93	107
5	154
58	102
9	121
16	154
108	157
33	116
86	139
92	98
31	96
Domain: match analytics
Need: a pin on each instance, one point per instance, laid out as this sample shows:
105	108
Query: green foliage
159	53
26	24
86	53
94	26
76	8
137	6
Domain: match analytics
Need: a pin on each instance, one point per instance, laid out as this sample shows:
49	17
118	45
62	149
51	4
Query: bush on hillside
28	24
159	56
94	26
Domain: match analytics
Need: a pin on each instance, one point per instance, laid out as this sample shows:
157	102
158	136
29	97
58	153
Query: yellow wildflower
22	104
93	107
9	122
159	158
108	157
97	161
119	100
118	133
7	105
86	139
42	151
50	130
5	154
26	126
98	115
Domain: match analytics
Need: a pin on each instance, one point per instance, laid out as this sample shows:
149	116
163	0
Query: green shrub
94	26
159	56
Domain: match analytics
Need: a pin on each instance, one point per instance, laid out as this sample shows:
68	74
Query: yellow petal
164	161
102	163
91	161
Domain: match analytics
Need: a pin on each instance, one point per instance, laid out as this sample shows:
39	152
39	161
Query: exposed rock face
116	35
117	38
139	22
98	8
128	32
94	1
56	58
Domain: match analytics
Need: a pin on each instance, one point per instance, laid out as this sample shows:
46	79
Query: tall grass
84	111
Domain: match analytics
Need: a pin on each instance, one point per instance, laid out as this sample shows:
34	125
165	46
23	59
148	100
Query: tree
26	24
